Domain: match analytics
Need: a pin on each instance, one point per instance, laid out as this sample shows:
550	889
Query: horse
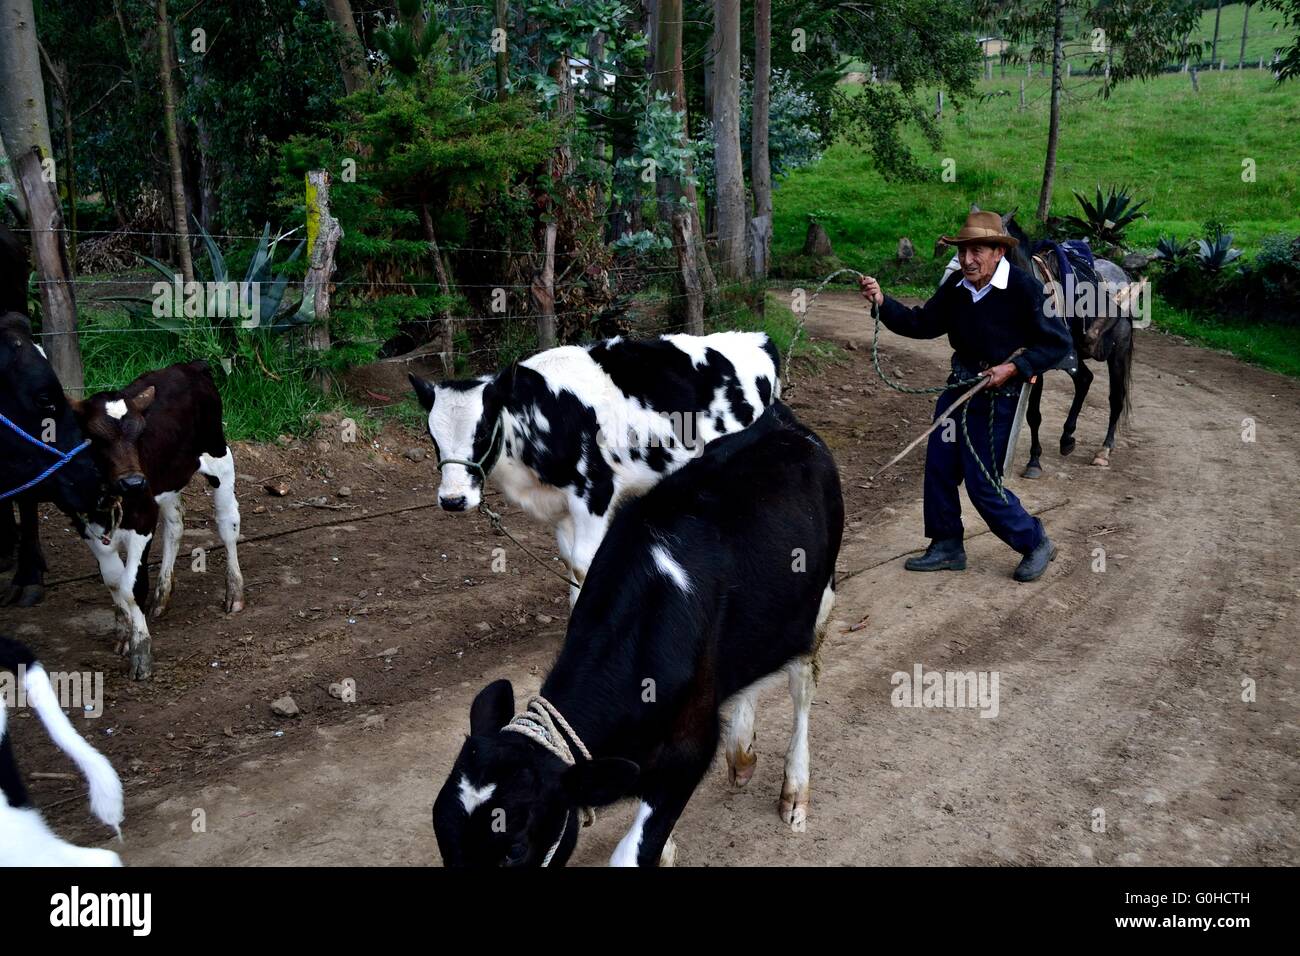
1106	336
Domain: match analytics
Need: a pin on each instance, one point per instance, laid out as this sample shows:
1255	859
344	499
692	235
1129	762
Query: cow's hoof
1067	446
668	856
740	766
22	595
1102	459
159	606
794	806
141	661
1032	470
234	602
32	595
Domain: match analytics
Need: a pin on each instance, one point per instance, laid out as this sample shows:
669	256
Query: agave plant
1105	220
1216	253
221	299
1171	249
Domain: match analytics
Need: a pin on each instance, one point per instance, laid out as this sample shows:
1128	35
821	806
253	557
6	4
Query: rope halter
64	458
541	722
479	465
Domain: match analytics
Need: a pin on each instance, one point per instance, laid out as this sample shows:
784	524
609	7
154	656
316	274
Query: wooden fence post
323	235
689	268
58	301
1022	96
542	293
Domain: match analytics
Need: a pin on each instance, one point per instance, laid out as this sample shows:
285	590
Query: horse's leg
1119	360
28	585
1082	382
1034	417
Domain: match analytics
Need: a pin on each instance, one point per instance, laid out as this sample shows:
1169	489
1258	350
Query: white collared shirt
999	281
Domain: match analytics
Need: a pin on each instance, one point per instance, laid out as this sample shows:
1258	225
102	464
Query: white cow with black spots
572	431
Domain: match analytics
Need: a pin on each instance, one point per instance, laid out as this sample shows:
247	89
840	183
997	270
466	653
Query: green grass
1180	151
115	351
1274	347
1265	34
778	320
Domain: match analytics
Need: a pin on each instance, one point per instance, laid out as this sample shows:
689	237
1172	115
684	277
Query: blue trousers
948	462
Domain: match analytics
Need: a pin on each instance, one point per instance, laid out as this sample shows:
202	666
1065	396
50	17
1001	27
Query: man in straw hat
994	315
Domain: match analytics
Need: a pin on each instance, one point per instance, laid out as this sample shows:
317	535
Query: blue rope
64	458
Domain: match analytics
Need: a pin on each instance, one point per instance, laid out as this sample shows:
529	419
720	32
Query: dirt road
1121	734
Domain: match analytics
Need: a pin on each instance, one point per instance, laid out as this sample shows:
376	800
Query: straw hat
982	227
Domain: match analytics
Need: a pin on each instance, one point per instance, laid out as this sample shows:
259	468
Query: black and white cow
719	576
148	440
25	839
32	400
570	432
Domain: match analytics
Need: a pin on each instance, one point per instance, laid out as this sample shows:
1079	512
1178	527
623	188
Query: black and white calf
25	840
572	431
149	439
721	575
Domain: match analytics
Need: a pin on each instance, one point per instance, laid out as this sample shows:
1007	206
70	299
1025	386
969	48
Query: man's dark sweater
984	333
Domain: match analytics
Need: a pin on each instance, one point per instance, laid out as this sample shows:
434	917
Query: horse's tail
1124	374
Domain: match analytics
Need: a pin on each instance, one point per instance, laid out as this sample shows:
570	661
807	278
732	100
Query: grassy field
1179	150
1264	35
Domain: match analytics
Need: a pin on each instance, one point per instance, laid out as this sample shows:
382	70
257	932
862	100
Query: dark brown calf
148	440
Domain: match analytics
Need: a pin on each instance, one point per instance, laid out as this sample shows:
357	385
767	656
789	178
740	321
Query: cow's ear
594	783
492	708
142	401
505	380
425	391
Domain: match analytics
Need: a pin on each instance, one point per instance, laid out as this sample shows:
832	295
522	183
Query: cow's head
32	398
508	801
463	418
114	422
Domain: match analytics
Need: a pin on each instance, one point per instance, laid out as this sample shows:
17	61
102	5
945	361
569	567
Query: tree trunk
352	56
730	172
168	84
323	235
447	347
1214	49
503	55
760	162
686	263
59	77
1245	24
58	300
23	120
669	78
624	215
596	94
1054	123
542	293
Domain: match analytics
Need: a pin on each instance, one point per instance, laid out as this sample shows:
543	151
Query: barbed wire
433	356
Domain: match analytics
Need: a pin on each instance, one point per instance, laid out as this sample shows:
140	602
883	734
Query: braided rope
542	722
996	478
63	457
